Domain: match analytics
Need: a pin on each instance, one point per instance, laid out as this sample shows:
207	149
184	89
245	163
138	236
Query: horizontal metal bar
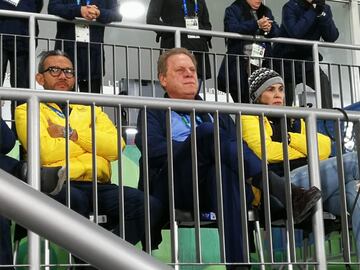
182	30
176	104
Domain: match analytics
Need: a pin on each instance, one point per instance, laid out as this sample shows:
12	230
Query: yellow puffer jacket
52	150
297	147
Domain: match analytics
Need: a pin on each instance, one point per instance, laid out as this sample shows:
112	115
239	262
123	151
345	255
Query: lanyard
186	10
186	119
58	112
87	2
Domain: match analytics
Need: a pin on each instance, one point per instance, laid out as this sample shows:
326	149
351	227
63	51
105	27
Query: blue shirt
181	125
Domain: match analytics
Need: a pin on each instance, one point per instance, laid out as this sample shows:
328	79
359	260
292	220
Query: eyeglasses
56	71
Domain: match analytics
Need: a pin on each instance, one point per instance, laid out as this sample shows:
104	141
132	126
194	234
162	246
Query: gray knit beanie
260	80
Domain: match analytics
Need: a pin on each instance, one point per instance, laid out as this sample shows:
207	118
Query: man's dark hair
162	62
45	54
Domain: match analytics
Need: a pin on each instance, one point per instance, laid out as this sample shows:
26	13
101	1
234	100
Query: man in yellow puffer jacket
56	72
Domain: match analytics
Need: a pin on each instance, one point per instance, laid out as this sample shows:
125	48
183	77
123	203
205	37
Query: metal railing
309	115
119	102
137	62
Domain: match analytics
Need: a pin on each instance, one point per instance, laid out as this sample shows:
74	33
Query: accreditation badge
257	54
82	32
193	24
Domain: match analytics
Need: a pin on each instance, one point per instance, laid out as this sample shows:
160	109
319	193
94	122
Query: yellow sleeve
106	137
52	150
298	141
274	150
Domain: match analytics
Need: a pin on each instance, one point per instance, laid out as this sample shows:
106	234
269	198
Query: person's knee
134	202
79	202
352	192
156	210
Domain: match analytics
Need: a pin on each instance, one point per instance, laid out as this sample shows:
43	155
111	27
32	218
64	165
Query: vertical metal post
241	175
355	39
342	192
317	74
173	227
318	221
32	49
139	71
291	256
195	185
152	72
238	79
102	69
265	184
33	146
177	39
219	189
146	179
127	68
89	68
94	164
113	52
120	174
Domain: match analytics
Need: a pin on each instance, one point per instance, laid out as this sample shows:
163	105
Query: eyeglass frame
63	70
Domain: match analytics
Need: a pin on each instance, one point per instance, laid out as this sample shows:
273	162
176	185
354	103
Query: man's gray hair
45	54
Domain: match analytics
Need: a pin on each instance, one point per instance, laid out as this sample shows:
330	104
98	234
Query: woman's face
254	4
273	95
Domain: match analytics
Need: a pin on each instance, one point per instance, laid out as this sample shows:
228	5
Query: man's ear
162	80
40	79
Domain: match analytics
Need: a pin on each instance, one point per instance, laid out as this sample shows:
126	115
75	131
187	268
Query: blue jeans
330	188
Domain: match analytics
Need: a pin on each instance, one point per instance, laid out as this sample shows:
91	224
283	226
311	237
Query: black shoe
52	179
303	202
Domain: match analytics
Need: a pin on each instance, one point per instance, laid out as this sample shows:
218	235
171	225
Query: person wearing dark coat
310	20
246	17
17	169
103	11
10	165
9	27
173	13
177	75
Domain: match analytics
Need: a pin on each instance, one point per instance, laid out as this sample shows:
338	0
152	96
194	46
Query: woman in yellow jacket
267	88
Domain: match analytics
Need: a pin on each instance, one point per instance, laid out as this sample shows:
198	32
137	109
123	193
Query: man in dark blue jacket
310	20
103	11
9	27
177	75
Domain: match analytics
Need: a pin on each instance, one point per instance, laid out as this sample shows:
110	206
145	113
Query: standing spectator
191	14
16	47
311	20
68	35
246	17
